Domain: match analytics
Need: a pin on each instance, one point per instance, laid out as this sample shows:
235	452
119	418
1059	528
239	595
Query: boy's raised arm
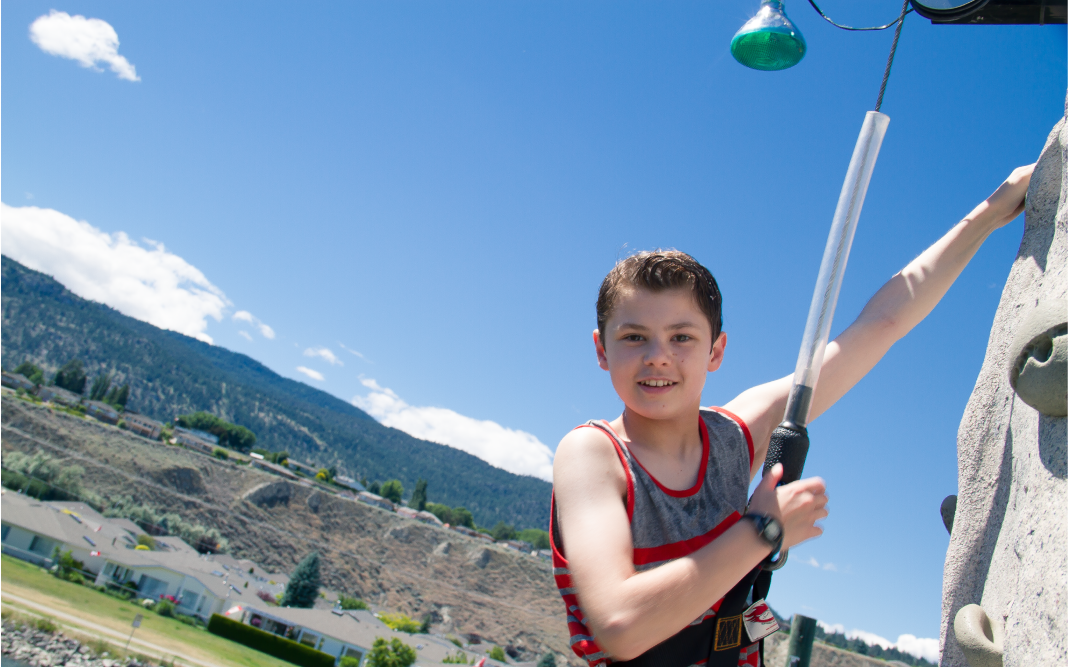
896	308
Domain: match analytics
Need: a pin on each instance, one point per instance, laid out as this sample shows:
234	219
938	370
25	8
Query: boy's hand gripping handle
789	446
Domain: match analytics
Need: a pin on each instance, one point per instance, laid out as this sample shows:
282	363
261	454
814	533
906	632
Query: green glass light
769	41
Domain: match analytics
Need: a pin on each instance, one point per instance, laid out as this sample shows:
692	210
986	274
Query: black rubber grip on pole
789	446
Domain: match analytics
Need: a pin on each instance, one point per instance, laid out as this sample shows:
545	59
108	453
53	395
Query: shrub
537	538
220	453
346	602
459	659
503	531
401	622
142	547
349	661
547	660
266	597
188	620
164	608
279	647
146	540
497	653
45	624
390	654
455	640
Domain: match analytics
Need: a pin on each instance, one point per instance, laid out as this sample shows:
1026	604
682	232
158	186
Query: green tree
348	661
324	475
31	372
547	660
461	516
418	500
503	531
118	396
394	653
99	388
536	537
71	376
442	512
303	587
375	488
393	490
346	602
497	653
229	435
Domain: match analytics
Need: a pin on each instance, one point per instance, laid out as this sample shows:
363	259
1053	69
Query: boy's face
658	349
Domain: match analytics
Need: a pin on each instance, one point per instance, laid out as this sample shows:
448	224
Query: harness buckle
728	632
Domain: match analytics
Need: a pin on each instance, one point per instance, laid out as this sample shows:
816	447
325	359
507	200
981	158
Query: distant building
271	467
311	471
58	395
518	545
102	412
202	585
16	381
350	483
194	440
142	425
377	501
196	433
472	533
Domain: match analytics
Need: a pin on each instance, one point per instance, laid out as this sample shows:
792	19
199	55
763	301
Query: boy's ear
602	358
716	358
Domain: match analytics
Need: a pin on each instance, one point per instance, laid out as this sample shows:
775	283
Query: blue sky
440	187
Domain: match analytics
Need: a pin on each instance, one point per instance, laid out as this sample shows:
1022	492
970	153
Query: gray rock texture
1008	551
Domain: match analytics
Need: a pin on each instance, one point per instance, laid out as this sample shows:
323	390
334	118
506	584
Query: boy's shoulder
586	450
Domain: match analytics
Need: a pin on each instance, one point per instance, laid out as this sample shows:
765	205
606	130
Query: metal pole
802	632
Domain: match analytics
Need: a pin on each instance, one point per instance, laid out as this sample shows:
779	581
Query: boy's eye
635	338
682	338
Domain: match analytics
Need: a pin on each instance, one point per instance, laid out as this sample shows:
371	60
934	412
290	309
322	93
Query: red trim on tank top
685	547
742	425
703	428
611	433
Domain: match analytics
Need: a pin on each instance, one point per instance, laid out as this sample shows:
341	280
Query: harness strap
697	643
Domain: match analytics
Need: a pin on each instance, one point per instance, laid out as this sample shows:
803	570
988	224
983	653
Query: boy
650	524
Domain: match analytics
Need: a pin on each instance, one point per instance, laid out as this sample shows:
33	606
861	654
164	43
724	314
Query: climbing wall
1008	550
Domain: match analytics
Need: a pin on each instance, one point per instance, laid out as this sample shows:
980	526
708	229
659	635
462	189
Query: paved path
107	634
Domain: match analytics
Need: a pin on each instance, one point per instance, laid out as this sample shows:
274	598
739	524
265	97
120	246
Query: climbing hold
949	510
979	636
1039	358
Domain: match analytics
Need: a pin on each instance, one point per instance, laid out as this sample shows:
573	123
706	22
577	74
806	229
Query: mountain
171	374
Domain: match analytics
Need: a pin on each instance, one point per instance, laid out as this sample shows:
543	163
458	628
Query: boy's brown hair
658	270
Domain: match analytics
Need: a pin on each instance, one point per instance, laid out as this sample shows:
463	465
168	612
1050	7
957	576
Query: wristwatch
769	529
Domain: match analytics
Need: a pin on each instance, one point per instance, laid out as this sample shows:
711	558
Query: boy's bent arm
629	612
896	308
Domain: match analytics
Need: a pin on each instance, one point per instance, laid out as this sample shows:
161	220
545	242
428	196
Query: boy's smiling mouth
657	383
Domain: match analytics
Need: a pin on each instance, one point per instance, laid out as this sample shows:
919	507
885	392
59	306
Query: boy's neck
673	437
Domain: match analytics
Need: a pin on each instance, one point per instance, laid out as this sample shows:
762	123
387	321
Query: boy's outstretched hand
1007	202
797	506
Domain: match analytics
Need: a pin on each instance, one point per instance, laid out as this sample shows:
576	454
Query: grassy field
30	582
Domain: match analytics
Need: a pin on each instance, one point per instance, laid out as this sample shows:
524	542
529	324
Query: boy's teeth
656	383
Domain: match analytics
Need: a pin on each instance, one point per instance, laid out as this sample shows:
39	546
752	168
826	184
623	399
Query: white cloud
149	284
245	316
911	644
350	350
313	374
811	561
514	451
90	42
246	335
325	354
830	567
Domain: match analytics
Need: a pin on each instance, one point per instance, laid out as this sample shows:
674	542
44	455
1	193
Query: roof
62	521
358	627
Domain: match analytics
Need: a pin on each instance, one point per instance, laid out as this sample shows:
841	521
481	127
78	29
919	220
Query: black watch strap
768	528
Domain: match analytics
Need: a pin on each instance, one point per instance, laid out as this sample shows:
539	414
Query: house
257	461
349	483
198	440
16	381
311	471
340	633
58	395
102	412
472	533
142	425
376	500
518	545
202	585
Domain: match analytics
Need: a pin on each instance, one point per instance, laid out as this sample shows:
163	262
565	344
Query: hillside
171	374
396	564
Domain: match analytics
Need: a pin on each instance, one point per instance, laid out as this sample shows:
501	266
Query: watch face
773	531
